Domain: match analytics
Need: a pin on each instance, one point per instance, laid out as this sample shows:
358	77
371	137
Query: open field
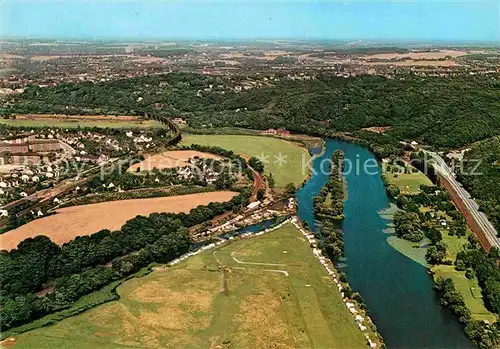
408	183
74	221
469	289
282	158
261	298
170	159
74	121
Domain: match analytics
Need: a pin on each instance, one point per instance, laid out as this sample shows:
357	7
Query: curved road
479	217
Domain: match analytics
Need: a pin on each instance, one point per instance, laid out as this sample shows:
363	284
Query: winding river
397	290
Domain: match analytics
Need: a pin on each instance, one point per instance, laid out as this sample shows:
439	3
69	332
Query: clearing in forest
268	291
170	159
408	183
284	159
74	221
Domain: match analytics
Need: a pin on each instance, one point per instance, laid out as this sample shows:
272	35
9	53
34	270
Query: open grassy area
74	123
258	293
408	183
290	169
469	289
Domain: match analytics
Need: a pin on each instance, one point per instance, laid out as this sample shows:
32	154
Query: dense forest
87	263
480	175
440	111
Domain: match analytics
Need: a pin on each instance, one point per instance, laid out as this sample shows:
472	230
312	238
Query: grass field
270	293
286	171
74	123
408	183
469	289
70	222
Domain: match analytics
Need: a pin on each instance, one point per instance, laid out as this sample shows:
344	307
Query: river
397	291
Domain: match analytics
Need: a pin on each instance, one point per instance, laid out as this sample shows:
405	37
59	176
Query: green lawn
80	123
263	292
469	289
408	183
291	169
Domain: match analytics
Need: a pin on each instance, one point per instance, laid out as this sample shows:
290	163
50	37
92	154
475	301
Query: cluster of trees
408	226
483	335
256	164
445	112
90	262
331	239
237	161
412	224
329	209
487	270
452	299
330	200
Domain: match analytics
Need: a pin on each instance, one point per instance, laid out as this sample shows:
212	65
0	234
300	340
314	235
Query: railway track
478	222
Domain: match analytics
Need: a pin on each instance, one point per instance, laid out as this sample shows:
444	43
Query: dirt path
256	263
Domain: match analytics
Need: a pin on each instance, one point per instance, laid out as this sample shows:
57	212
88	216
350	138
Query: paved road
68	152
488	230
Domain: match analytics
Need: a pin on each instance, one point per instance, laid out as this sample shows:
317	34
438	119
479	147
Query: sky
424	20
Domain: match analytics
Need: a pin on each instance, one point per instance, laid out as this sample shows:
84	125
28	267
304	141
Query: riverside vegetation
64	274
329	207
454	255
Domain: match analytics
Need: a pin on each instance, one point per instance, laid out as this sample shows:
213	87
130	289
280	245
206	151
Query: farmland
270	292
74	121
170	159
71	222
281	158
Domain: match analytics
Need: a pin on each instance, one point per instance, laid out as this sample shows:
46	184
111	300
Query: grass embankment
283	159
253	293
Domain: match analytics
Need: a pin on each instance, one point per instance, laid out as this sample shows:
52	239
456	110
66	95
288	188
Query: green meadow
268	291
282	158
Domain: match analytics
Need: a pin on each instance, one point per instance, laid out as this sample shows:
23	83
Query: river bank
397	291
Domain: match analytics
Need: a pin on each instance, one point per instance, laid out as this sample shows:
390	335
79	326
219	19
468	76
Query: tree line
329	209
87	263
330	200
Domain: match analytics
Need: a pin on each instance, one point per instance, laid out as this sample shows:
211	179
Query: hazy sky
418	20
